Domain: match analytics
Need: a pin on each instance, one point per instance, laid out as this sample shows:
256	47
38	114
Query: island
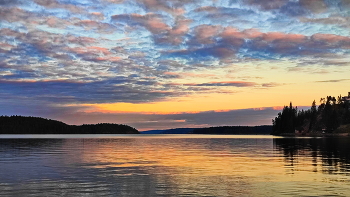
330	118
38	125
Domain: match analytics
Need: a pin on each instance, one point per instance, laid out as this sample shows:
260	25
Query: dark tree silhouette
229	130
36	125
328	117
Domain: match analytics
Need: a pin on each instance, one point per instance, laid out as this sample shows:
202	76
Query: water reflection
329	155
153	166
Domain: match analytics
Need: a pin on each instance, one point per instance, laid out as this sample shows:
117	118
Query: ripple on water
175	166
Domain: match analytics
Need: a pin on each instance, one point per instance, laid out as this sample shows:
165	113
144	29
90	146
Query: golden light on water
177	166
197	162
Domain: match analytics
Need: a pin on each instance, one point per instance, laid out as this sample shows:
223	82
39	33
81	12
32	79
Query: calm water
167	165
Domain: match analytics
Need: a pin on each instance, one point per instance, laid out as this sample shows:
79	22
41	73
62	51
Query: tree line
37	125
327	117
233	130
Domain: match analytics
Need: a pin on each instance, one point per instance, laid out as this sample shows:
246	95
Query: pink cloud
114	1
12	33
156	26
110	59
88	23
330	38
99	26
278	36
230	32
4	47
175	34
181	27
205	33
93	50
16	14
156	5
80	40
52	4
281	42
154	23
53	21
233	33
97	15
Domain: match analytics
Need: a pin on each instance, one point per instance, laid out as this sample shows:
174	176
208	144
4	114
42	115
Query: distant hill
169	131
37	125
234	130
226	130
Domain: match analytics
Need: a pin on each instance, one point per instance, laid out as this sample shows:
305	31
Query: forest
234	130
37	125
332	115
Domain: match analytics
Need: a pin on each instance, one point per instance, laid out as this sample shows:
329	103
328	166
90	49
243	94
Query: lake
173	165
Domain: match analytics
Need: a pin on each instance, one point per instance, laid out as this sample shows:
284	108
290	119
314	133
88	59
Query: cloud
114	1
175	34
97	26
204	34
80	40
225	43
174	7
292	8
307	69
224	15
226	83
37	47
162	32
233	84
335	62
13	14
108	91
333	81
152	22
316	6
344	3
297	44
91	50
331	20
269	85
330	41
203	54
97	15
36	43
33	19
206	9
53	4
9	2
266	4
237	38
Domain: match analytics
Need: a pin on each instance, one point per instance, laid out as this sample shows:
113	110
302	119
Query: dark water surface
174	165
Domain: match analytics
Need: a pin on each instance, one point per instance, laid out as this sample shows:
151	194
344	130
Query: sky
161	64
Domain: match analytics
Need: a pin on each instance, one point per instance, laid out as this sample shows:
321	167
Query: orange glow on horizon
251	92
